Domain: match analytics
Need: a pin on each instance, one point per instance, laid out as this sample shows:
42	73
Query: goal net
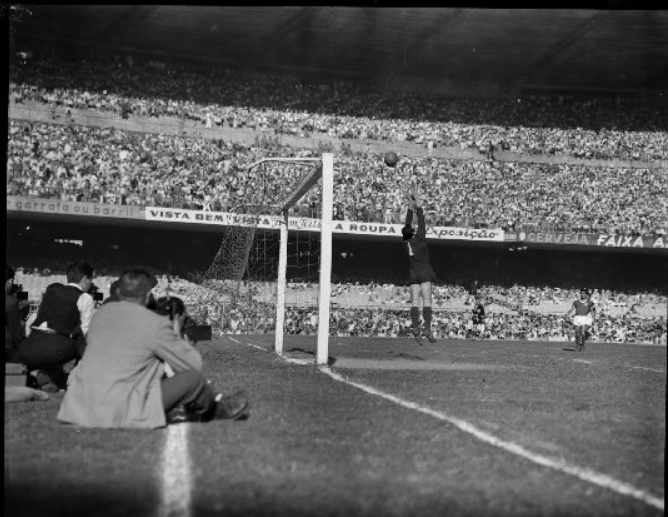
272	271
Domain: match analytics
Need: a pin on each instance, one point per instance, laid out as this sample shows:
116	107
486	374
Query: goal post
245	287
323	169
325	257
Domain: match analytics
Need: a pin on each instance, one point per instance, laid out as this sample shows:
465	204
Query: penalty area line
176	474
585	474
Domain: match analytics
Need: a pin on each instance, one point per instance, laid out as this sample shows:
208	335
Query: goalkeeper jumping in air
420	273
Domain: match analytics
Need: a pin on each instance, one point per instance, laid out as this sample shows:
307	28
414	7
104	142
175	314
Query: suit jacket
14	332
117	383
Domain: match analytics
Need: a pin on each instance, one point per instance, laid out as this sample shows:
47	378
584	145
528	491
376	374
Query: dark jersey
478	314
416	247
583	308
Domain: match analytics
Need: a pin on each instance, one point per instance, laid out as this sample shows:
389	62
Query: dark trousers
49	352
189	389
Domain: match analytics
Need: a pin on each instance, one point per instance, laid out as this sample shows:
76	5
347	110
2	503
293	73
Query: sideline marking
561	465
585	474
647	369
176	479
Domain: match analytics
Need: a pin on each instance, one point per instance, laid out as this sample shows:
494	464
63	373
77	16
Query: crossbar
307	182
295	160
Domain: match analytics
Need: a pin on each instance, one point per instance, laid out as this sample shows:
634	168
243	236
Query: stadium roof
568	48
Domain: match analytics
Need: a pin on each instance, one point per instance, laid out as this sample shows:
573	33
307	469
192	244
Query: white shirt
86	306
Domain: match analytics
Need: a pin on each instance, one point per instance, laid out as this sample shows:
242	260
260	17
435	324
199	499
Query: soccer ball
391	159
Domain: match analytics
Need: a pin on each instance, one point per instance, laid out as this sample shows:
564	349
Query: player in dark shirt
585	312
420	273
478	319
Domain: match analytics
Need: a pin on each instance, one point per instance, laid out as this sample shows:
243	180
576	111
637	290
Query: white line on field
647	369
561	465
302	362
585	474
176	480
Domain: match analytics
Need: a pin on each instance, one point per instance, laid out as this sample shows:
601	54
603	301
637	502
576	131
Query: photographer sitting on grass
121	381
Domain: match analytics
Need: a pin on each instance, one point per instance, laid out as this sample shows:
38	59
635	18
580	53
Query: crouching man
120	381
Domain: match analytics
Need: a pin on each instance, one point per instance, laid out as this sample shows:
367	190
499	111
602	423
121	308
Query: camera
94	291
174	307
196	332
17	289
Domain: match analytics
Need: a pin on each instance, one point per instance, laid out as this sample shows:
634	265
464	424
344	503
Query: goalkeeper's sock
426	312
415	318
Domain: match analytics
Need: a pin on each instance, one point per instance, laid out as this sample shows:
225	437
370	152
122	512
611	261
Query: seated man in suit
120	381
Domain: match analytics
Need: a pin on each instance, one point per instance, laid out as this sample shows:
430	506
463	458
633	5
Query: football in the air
391	159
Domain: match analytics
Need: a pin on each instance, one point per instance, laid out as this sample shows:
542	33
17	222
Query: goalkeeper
420	273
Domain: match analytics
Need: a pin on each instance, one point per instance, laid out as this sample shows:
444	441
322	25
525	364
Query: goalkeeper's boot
430	336
418	338
582	343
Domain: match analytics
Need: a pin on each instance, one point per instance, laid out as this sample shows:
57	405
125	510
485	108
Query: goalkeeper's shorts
419	275
580	321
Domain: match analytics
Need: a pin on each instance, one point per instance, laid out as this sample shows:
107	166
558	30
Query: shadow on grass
301	353
58	500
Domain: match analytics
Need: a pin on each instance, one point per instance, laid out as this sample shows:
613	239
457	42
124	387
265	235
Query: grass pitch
317	446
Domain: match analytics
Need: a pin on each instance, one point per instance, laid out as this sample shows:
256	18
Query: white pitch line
176	478
561	465
585	474
647	369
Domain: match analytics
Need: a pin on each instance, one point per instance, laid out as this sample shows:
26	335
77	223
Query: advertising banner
590	239
60	207
302	223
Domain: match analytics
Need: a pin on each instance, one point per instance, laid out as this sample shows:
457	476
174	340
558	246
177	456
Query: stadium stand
595	127
375	310
107	165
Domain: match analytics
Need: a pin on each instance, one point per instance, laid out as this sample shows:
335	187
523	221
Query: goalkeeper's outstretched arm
410	201
417	203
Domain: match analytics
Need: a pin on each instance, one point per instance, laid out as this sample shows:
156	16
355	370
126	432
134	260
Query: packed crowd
383	322
593	127
380	310
385	314
107	165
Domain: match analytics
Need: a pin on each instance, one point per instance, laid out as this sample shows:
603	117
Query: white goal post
323	168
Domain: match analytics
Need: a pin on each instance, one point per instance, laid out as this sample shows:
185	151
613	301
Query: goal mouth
235	285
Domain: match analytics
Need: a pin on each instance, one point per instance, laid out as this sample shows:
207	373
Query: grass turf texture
315	446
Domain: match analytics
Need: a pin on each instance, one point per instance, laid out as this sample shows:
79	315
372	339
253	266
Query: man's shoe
418	338
232	407
430	337
180	415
